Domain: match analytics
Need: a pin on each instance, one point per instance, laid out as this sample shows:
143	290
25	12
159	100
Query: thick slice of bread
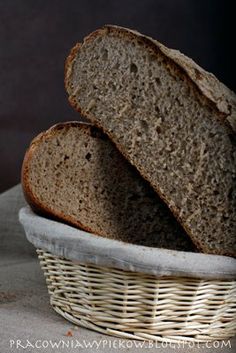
171	119
74	173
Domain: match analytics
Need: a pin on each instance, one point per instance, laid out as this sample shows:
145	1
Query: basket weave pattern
140	306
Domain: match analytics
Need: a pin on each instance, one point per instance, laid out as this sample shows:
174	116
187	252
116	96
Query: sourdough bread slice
74	172
171	119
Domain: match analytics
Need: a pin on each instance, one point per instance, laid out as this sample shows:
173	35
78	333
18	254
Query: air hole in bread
133	68
139	133
88	156
104	54
158	81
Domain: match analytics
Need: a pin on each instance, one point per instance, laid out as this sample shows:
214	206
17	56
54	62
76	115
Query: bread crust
30	197
212	92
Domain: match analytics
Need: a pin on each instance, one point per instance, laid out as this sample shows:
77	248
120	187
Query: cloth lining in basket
80	246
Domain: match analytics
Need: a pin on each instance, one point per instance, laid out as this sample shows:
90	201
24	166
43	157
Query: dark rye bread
74	173
171	119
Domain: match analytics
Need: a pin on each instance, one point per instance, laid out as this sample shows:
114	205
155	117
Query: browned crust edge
31	198
69	60
148	43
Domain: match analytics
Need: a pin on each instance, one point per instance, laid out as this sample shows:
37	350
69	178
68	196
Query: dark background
36	36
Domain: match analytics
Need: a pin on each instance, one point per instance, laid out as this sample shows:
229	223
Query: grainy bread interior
74	172
170	119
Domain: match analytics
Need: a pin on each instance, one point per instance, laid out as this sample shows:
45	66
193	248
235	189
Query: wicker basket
139	306
131	304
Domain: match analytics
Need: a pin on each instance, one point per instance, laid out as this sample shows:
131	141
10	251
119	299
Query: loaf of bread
74	173
171	119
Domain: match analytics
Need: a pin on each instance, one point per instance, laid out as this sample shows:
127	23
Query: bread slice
74	172
171	119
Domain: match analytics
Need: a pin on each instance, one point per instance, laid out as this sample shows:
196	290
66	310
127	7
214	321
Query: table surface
28	323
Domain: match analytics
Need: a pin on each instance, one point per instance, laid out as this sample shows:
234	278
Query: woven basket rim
77	245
